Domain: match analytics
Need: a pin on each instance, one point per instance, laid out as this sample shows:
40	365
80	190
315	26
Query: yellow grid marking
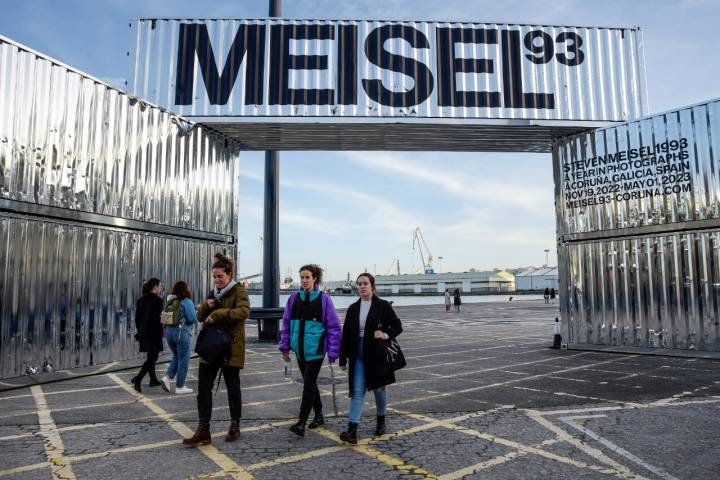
493	462
528	449
25	468
225	463
389	460
54	448
589	450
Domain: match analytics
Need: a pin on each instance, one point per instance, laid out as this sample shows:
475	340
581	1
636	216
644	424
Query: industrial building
467	282
537	278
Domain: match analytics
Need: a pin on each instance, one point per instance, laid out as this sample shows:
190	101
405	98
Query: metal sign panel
638	215
294	72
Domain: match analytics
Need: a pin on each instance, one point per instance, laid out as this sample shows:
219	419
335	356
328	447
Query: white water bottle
288	371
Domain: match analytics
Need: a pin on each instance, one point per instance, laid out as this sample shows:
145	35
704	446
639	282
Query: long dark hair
181	290
149	285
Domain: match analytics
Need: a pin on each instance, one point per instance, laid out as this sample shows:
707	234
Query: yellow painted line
523	448
25	468
296	458
54	448
225	463
584	447
393	462
60	392
115	451
499	460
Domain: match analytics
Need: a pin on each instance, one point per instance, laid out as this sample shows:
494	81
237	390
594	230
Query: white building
537	278
467	282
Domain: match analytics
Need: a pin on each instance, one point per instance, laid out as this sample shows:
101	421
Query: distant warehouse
467	282
537	278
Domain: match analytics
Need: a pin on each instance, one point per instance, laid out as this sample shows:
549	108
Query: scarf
219	293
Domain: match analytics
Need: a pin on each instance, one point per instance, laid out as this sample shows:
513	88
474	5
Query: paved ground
482	397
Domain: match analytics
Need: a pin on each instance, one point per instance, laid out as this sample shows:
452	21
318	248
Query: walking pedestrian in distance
179	336
546	295
367	321
447	299
311	329
552	295
457	301
149	330
228	306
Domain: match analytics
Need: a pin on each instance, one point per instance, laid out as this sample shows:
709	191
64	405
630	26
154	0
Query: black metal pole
269	315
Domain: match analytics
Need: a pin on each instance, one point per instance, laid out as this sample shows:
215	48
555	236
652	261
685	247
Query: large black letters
282	62
448	65
377	55
513	95
249	43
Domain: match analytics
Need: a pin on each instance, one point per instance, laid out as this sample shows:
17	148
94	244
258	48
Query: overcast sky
351	211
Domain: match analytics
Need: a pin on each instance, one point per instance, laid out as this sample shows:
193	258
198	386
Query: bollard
557	339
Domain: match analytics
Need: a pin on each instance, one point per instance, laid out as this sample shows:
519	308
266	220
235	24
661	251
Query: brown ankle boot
201	435
233	431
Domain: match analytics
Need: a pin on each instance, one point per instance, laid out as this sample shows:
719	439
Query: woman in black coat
368	322
149	330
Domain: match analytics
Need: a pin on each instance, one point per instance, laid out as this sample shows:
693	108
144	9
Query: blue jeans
178	339
357	396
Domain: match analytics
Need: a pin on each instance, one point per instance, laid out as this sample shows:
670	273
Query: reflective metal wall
99	191
638	210
67	140
68	291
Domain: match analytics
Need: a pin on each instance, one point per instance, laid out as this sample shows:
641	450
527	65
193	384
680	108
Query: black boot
318	421
299	428
136	383
380	426
350	436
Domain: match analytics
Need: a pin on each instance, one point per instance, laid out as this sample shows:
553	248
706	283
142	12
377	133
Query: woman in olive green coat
227	305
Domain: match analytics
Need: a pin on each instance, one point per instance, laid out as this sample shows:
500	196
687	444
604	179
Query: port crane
394	267
420	242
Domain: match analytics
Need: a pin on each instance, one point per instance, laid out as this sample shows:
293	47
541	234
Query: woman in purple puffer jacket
311	329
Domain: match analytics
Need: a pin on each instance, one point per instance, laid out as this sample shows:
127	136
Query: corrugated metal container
307	75
68	291
67	140
98	192
639	228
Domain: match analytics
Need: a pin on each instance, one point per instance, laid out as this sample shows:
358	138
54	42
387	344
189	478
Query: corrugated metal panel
657	171
659	292
68	140
446	63
68	291
638	210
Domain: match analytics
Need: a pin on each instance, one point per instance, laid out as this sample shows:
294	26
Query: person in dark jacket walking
149	330
368	321
227	305
552	295
456	300
546	295
311	329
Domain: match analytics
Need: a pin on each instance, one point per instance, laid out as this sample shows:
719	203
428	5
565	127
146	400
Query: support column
268	317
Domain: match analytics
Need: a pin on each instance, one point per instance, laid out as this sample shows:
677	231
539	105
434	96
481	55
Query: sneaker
182	390
165	383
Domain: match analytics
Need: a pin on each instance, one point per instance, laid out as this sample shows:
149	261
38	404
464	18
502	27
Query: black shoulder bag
389	356
214	342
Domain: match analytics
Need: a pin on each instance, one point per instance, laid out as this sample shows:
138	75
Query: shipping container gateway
98	191
638	215
367	85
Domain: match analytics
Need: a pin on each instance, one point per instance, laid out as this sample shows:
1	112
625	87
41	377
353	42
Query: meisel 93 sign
320	68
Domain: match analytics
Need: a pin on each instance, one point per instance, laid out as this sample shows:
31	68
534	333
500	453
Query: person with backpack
179	317
149	331
368	322
311	329
227	307
457	301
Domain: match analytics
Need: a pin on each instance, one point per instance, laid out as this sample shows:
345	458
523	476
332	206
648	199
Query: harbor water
344	301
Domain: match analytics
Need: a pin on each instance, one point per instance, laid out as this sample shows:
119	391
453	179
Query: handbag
214	344
389	357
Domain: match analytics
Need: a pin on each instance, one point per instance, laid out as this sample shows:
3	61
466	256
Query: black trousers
206	380
310	369
149	366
